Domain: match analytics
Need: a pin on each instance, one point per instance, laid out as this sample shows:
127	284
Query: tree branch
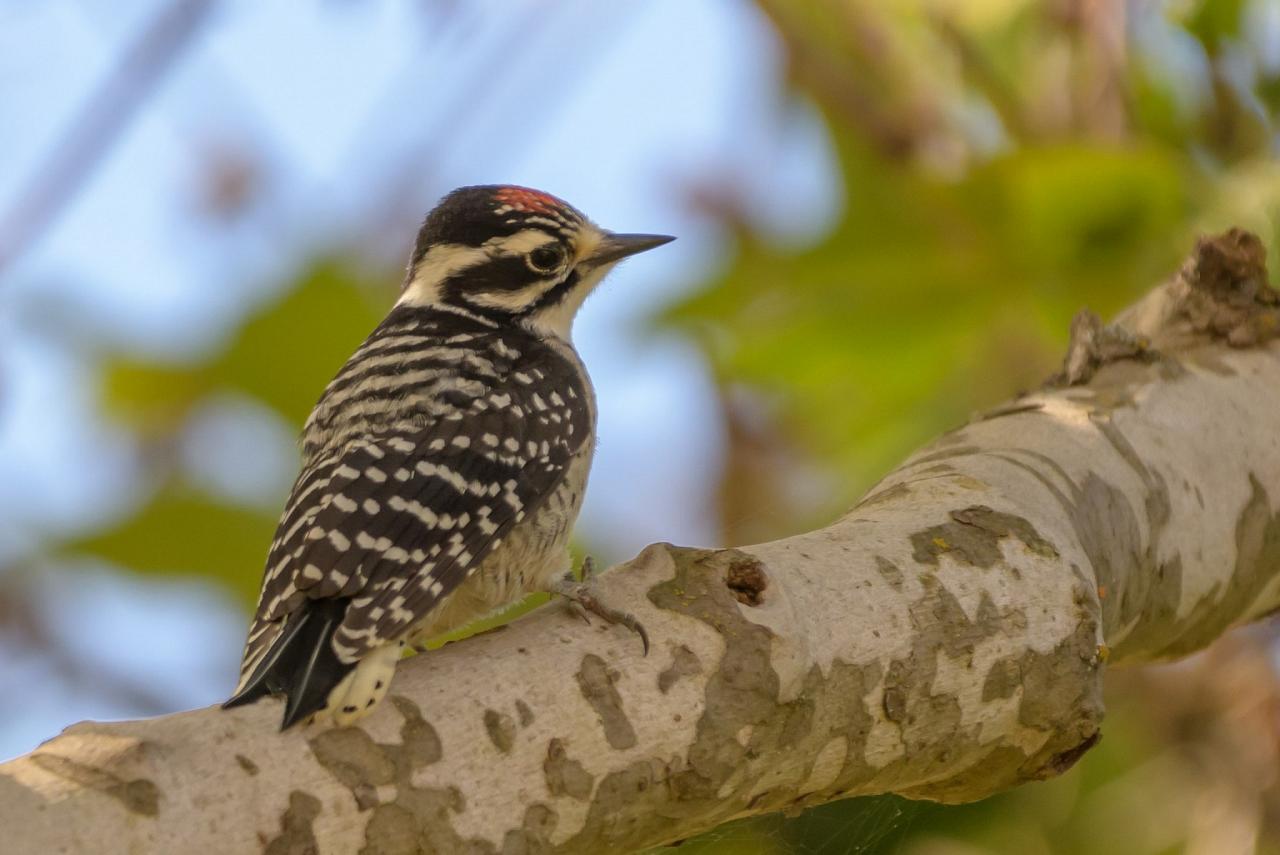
945	639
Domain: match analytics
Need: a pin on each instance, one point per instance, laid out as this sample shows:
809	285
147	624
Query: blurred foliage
1003	163
185	532
330	308
322	317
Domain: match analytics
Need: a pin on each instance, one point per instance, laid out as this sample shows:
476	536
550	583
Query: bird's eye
544	259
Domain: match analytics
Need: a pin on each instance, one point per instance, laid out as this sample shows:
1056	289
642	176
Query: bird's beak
614	247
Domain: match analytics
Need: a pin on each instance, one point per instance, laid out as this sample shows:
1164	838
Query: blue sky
623	109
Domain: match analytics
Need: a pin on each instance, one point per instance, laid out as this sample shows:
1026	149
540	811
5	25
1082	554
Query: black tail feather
264	680
301	663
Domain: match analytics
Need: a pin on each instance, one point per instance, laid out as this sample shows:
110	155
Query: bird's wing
394	523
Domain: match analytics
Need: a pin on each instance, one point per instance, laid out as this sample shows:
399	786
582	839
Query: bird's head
514	254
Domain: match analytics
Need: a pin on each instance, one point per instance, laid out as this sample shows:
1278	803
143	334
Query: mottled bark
945	639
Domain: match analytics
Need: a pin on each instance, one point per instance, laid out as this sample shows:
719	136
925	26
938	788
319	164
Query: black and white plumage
444	465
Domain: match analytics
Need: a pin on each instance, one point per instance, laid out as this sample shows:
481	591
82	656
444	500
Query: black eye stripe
505	273
555	294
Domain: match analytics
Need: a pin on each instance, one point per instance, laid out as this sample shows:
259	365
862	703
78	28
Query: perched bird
445	464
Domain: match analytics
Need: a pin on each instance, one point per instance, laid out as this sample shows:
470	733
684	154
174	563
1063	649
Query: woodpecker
445	464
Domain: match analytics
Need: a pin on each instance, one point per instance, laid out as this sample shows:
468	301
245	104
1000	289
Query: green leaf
283	355
149	398
184	533
1215	22
286	354
933	298
1075	211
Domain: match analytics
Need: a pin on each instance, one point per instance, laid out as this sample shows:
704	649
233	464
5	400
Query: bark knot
747	579
1220	293
1094	344
1227	294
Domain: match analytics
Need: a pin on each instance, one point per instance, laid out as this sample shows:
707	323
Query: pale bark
945	639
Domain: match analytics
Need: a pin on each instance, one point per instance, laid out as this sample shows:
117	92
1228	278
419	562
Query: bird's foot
581	595
586	570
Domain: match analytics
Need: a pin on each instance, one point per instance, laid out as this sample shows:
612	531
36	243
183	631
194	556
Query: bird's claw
570	580
581	597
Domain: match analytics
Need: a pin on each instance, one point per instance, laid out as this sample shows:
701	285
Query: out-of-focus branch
840	52
106	112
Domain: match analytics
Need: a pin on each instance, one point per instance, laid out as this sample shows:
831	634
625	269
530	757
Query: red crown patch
527	201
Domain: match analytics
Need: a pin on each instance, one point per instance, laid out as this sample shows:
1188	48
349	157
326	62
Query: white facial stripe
512	300
436	266
519	243
588	241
